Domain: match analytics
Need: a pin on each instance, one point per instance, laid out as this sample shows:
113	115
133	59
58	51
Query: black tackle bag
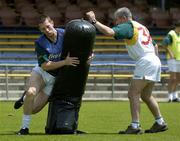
69	87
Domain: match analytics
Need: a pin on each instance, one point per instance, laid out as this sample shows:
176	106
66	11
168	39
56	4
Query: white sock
174	95
24	98
135	124
160	120
26	121
171	96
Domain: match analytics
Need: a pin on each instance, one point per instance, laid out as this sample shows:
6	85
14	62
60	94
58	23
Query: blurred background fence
111	69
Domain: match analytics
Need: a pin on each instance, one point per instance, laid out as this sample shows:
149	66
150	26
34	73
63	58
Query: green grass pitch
101	119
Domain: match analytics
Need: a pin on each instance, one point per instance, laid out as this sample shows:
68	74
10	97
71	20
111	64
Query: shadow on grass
38	134
15	133
101	133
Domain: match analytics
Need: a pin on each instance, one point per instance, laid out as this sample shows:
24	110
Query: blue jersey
48	51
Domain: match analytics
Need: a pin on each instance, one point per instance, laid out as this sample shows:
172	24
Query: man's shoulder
60	30
125	25
40	39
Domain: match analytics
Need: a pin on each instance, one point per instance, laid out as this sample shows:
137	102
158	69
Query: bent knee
144	98
31	91
130	95
133	94
37	108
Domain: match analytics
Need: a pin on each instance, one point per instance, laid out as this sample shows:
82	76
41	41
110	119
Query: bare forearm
52	65
104	29
101	27
170	53
72	61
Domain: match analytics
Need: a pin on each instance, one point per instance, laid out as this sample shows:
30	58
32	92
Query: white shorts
48	79
173	65
148	68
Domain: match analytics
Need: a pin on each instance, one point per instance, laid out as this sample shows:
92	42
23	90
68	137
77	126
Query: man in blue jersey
147	71
49	49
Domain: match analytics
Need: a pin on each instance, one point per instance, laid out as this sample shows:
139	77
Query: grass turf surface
102	120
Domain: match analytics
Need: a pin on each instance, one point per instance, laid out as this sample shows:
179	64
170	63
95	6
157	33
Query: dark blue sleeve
42	55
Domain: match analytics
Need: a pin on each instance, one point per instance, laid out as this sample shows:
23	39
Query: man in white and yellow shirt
172	44
147	71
